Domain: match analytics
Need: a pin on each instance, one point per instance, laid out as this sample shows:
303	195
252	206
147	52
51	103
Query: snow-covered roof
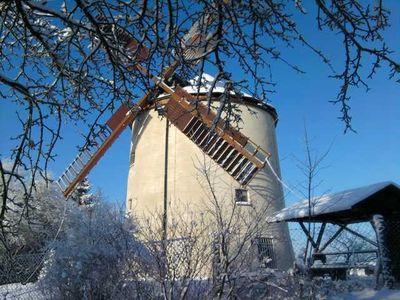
206	84
336	203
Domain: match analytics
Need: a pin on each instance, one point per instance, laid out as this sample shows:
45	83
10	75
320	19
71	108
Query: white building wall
187	187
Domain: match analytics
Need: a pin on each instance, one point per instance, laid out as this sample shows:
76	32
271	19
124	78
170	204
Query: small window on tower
130	204
266	253
132	160
241	196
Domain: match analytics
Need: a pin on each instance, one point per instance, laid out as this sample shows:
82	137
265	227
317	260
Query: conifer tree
82	194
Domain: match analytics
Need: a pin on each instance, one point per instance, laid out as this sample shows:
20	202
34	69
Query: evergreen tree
82	195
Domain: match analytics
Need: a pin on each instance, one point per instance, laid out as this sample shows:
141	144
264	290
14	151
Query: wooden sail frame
232	150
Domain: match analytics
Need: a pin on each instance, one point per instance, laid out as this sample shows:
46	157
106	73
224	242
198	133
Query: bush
97	256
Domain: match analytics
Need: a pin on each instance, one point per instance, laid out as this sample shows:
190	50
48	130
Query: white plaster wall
187	187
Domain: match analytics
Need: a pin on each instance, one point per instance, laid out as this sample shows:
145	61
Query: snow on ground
369	294
32	291
22	291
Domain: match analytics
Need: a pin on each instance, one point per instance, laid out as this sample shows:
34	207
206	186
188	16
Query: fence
20	268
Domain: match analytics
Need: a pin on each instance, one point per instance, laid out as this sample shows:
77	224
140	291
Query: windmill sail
197	41
95	149
102	140
229	148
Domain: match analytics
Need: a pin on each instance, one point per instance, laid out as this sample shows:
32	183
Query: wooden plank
118	116
142	52
177	115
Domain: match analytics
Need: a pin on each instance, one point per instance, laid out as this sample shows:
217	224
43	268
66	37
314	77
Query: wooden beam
320	234
333	237
359	235
101	150
309	237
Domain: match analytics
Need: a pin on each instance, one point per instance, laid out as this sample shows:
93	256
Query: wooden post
165	211
379	224
392	243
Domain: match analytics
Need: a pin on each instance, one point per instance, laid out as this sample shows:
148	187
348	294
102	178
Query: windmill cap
203	86
206	83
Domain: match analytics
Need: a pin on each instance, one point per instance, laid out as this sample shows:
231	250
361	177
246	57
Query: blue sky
355	159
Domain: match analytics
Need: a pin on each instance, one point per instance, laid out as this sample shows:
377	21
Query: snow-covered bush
273	284
97	257
28	229
29	221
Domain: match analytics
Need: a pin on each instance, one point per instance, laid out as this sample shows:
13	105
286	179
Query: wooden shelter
378	204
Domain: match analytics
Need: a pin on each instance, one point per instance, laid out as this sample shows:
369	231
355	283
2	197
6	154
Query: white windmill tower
163	172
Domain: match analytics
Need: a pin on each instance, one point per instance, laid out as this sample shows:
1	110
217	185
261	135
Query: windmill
183	110
201	131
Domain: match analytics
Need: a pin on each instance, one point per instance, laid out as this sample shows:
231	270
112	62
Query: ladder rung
198	132
62	187
103	134
243	172
191	125
243	161
228	158
102	137
204	140
107	130
235	161
86	153
79	160
68	172
209	142
76	163
214	146
66	178
64	184
95	144
196	129
219	151
91	151
69	175
250	175
224	154
61	182
73	167
201	135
